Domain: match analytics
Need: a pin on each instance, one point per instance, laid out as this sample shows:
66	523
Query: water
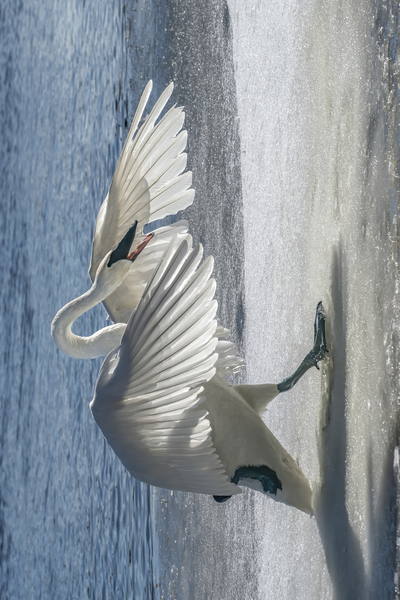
292	113
73	524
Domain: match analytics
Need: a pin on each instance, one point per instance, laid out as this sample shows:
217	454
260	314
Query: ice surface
316	92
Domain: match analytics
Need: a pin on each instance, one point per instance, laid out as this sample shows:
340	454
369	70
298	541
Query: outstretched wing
148	399
228	361
148	184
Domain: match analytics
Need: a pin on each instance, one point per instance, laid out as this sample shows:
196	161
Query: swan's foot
319	335
317	353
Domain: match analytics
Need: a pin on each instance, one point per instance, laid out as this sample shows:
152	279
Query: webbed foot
319	348
315	356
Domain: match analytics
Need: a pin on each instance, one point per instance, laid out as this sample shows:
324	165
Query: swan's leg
313	357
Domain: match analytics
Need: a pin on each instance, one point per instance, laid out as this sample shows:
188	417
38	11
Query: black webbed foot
315	356
319	348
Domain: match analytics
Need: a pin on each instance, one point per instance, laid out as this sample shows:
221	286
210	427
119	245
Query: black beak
122	250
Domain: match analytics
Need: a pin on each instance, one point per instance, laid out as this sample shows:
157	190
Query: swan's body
161	400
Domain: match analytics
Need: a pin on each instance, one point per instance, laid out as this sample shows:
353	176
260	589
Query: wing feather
148	400
148	184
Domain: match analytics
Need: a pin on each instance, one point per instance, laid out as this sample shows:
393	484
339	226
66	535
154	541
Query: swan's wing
148	399
228	361
148	184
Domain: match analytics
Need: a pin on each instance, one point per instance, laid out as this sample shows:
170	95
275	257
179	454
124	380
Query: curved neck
98	344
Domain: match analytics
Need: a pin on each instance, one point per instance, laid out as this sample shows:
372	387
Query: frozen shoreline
327	220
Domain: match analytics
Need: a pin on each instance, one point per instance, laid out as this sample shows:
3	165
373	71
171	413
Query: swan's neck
98	344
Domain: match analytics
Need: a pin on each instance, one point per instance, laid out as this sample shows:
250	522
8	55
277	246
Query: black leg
313	357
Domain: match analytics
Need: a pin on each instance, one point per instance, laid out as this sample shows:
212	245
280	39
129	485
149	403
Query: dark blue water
72	523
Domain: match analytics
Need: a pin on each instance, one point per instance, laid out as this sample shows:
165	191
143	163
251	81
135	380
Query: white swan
161	400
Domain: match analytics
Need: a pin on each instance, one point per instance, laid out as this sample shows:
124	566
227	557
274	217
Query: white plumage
157	424
147	185
160	399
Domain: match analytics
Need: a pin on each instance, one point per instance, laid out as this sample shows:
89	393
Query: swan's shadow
343	553
341	546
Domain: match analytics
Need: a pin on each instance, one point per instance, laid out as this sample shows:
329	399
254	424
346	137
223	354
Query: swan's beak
121	251
133	255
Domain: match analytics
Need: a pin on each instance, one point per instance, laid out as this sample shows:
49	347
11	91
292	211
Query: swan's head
116	265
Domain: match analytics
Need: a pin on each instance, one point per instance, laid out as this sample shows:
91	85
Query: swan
161	399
